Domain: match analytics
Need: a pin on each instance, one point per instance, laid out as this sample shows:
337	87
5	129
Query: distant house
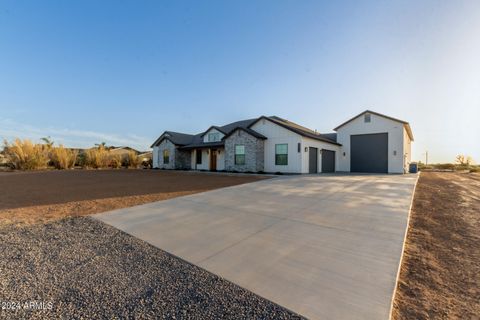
123	151
145	156
368	142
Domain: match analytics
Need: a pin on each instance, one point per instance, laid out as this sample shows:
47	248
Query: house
123	151
368	142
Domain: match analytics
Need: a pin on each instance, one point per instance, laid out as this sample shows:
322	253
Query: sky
83	72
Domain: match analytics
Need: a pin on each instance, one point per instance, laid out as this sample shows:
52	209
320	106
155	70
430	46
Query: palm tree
48	141
101	145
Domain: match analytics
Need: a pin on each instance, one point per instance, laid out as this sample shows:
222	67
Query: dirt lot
29	197
440	274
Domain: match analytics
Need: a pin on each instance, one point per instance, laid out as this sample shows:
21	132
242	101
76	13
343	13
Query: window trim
284	155
238	156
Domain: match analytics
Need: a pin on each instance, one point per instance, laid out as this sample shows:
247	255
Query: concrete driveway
326	247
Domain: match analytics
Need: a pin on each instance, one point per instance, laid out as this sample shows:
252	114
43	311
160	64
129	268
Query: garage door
369	153
328	160
312	159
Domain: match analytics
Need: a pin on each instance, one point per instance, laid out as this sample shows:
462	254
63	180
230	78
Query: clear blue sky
124	71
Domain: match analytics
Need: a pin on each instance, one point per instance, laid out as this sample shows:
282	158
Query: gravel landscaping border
82	268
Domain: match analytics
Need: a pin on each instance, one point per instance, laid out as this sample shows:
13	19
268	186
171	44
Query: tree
48	141
464	160
101	145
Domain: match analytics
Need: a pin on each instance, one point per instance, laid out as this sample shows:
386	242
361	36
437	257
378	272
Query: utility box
413	167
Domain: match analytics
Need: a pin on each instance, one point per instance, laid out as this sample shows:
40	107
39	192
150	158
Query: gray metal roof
190	140
303	131
195	141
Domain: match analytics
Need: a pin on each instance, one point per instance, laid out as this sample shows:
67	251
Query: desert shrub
63	158
97	158
131	160
474	169
114	161
25	155
148	164
444	166
462	167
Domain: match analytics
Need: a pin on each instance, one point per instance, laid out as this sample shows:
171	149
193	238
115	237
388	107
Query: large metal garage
369	153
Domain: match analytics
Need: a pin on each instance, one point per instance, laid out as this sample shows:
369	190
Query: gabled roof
247	130
212	127
183	139
405	123
124	148
176	138
294	127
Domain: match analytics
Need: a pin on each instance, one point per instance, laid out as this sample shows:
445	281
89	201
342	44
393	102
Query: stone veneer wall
183	159
254	152
166	144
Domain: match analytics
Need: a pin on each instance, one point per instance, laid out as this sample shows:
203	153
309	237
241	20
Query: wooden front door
213	160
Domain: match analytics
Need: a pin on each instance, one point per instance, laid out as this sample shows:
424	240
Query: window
198	154
281	154
239	154
166	156
213	137
367	117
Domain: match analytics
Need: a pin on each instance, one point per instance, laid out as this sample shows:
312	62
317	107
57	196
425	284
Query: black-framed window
281	154
239	154
166	156
198	154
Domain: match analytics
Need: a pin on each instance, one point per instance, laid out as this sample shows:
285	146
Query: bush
97	158
475	169
148	164
25	155
115	161
63	158
132	160
444	166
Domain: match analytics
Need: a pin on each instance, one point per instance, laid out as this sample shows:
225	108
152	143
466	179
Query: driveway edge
403	247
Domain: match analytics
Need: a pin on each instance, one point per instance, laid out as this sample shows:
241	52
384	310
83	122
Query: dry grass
115	161
97	158
25	155
63	158
132	160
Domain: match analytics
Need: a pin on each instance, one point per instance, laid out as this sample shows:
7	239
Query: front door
213	160
312	160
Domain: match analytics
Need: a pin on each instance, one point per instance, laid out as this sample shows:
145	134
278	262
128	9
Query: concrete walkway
326	247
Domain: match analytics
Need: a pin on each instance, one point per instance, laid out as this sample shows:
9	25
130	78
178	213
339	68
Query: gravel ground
82	268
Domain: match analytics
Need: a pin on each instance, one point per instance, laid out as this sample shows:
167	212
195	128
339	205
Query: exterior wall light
306	149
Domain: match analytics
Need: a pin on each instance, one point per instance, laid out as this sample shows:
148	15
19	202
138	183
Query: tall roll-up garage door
369	153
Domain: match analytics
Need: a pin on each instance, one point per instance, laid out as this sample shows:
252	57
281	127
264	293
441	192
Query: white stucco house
368	142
